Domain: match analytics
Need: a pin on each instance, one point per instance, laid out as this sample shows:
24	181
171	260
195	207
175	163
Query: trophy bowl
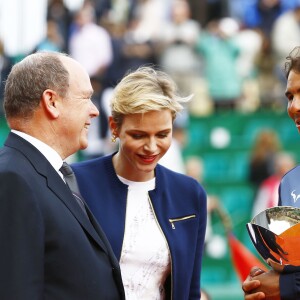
275	233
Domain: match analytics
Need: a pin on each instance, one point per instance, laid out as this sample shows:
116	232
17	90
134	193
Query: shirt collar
50	154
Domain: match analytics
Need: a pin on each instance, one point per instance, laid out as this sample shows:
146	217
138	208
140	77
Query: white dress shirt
50	154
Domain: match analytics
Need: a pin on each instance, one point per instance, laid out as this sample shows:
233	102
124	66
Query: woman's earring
113	138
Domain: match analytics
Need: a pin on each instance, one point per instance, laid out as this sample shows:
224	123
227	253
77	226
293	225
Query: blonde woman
154	218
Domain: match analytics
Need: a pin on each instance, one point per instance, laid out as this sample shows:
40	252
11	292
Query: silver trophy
275	233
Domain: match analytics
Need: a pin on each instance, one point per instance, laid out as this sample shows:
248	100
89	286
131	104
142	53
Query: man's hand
275	266
269	285
251	285
263	285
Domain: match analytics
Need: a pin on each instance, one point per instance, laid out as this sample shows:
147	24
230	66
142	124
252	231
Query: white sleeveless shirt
145	257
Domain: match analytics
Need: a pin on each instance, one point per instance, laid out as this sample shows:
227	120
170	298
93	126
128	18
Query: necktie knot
70	180
69	177
66	170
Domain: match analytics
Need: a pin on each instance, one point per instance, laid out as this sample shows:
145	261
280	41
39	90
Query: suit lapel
57	186
103	237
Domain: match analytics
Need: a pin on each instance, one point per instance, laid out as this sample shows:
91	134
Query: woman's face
144	139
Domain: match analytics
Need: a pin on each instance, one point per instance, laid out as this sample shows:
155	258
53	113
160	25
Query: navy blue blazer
179	203
289	195
49	248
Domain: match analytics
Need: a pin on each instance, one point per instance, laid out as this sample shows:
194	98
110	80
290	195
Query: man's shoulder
292	173
11	158
290	188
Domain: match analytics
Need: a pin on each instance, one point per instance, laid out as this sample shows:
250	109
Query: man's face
293	95
144	139
77	110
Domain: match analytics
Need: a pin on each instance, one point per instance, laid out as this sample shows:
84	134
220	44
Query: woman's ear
49	103
113	126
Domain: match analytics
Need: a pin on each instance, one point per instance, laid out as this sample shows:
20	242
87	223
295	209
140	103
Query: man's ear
49	102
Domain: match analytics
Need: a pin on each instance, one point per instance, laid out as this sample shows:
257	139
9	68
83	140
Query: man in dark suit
50	247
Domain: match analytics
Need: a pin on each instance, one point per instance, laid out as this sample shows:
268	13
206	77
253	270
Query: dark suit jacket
48	248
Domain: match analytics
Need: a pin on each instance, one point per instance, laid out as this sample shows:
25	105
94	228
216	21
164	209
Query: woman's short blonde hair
144	90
